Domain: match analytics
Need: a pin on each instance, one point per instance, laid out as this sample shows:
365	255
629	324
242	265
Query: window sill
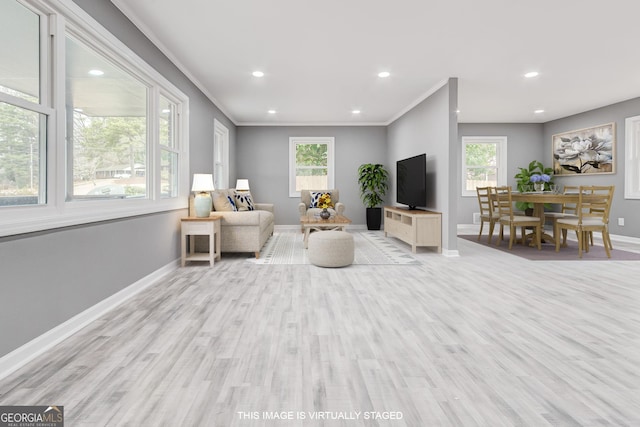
29	219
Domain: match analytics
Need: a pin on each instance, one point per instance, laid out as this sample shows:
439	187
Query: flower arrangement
536	178
324	201
535	173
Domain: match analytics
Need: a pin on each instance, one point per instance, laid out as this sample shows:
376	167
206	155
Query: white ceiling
321	59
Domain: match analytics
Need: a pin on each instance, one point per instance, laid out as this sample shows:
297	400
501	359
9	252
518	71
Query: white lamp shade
202	182
242	184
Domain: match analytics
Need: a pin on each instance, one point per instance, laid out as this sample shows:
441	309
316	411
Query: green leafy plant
524	180
373	183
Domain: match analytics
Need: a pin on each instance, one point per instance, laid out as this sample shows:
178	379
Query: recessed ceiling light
257	74
531	74
271	111
539	111
166	110
355	112
79	110
96	72
384	74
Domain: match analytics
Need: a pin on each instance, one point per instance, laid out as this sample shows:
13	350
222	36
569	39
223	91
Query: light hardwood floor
484	339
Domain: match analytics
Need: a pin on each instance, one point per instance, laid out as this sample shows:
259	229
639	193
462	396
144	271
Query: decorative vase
325	214
538	187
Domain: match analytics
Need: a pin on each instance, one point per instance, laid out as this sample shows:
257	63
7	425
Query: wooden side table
193	226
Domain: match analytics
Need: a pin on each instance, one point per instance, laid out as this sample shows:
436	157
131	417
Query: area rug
548	251
370	248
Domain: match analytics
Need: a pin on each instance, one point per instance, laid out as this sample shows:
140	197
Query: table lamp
242	185
202	184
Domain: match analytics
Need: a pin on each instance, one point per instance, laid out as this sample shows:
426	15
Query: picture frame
585	151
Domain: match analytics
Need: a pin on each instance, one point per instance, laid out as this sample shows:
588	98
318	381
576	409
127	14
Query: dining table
540	198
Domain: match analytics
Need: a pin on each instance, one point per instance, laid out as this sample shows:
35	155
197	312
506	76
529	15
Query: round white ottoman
331	248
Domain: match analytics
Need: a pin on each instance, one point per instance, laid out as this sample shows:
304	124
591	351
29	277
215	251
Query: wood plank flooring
484	339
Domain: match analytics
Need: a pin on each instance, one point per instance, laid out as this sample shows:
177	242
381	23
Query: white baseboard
37	346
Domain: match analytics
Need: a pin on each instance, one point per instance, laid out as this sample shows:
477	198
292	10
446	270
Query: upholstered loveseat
243	231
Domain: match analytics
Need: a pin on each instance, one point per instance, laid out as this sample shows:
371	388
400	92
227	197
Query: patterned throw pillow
315	197
232	202
244	201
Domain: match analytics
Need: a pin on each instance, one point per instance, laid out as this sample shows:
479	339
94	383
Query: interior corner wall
49	277
430	127
616	113
524	144
263	153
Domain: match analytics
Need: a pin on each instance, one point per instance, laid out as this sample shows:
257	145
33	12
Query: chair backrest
570	208
594	202
504	202
484	200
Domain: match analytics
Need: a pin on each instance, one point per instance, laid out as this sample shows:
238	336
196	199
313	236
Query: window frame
220	145
57	19
632	158
293	142
501	158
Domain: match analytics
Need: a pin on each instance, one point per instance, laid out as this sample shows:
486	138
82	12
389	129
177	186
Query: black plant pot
374	218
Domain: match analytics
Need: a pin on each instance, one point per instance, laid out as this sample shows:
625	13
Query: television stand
415	227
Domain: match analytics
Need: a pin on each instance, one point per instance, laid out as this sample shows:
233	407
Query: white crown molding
311	124
126	10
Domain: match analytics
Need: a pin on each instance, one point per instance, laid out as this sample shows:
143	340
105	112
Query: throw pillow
233	204
221	202
244	201
315	198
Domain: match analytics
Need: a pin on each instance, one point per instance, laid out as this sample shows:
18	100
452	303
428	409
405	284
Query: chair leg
481	226
492	226
586	239
512	236
604	242
580	242
557	231
539	237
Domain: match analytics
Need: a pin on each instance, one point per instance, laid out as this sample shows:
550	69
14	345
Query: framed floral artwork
585	151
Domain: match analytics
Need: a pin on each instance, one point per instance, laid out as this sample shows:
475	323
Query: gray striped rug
371	247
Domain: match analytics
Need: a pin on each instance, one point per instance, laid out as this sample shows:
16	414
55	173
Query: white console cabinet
415	227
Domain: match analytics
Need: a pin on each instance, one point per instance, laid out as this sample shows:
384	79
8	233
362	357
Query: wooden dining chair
509	219
569	210
487	213
594	205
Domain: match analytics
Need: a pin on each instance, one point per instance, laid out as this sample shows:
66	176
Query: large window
484	163
311	161
88	131
23	112
109	127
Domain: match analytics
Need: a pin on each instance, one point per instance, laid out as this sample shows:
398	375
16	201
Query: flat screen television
411	177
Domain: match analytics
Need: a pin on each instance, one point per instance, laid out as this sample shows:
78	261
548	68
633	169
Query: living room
65	277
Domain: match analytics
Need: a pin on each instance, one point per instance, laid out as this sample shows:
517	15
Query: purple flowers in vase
539	181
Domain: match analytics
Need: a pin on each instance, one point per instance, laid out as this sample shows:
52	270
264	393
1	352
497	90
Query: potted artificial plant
373	185
527	177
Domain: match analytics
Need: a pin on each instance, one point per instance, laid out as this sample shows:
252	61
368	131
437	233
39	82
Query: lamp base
202	205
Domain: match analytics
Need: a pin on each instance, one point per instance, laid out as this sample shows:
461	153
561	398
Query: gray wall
430	128
263	158
621	207
49	277
524	144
